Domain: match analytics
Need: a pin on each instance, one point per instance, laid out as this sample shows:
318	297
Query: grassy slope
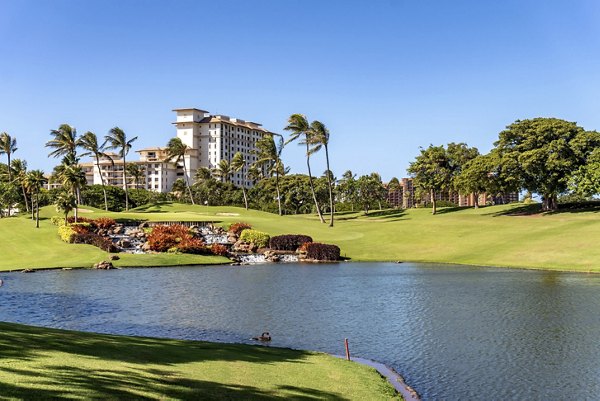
565	241
38	363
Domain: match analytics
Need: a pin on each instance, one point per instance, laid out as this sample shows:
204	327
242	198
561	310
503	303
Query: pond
453	332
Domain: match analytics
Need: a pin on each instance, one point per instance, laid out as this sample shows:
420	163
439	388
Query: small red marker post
347	349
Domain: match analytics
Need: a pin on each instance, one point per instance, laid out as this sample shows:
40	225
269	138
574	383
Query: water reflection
453	332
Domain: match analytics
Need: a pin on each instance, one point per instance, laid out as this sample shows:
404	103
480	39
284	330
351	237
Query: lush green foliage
258	238
318	251
288	242
66	233
541	155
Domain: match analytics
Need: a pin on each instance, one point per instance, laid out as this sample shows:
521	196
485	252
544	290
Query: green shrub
66	233
255	237
57	220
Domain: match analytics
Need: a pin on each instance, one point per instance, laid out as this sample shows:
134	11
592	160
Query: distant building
410	198
210	138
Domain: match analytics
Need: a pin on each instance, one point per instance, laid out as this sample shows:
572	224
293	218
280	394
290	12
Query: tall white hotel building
210	139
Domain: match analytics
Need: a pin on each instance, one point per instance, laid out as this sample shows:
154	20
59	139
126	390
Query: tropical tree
301	130
35	180
238	164
64	142
477	176
319	137
347	188
432	172
542	153
268	155
223	170
136	172
72	177
176	150
8	146
9	195
370	190
89	142
19	172
65	202
117	140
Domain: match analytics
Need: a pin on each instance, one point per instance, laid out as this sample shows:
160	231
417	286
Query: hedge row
288	242
318	251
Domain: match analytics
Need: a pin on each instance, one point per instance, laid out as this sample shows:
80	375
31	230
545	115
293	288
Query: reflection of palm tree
269	159
176	151
89	142
238	163
320	138
117	139
300	129
35	180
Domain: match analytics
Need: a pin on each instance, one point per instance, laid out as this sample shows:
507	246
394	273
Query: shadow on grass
132	372
536	209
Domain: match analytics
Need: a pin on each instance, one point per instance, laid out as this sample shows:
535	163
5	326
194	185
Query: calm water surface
454	333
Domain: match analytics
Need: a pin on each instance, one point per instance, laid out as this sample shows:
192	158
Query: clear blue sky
385	76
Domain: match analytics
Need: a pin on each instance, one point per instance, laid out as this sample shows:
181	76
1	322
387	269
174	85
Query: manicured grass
490	236
42	364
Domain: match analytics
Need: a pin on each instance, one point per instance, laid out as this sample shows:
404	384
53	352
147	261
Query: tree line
547	156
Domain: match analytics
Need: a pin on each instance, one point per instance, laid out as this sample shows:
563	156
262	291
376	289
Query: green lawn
490	236
43	364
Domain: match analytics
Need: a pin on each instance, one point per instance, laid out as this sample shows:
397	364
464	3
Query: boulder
146	247
124	243
104	265
27	271
114	257
143	225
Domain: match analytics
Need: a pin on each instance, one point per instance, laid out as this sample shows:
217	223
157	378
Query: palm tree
319	137
72	177
176	150
35	181
223	170
238	163
8	146
64	142
65	202
19	170
118	140
269	159
300	129
136	172
89	142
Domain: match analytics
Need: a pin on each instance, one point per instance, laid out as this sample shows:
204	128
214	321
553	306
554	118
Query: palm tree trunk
329	186
125	182
37	209
187	181
103	186
277	188
25	198
245	198
9	178
312	187
434	209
